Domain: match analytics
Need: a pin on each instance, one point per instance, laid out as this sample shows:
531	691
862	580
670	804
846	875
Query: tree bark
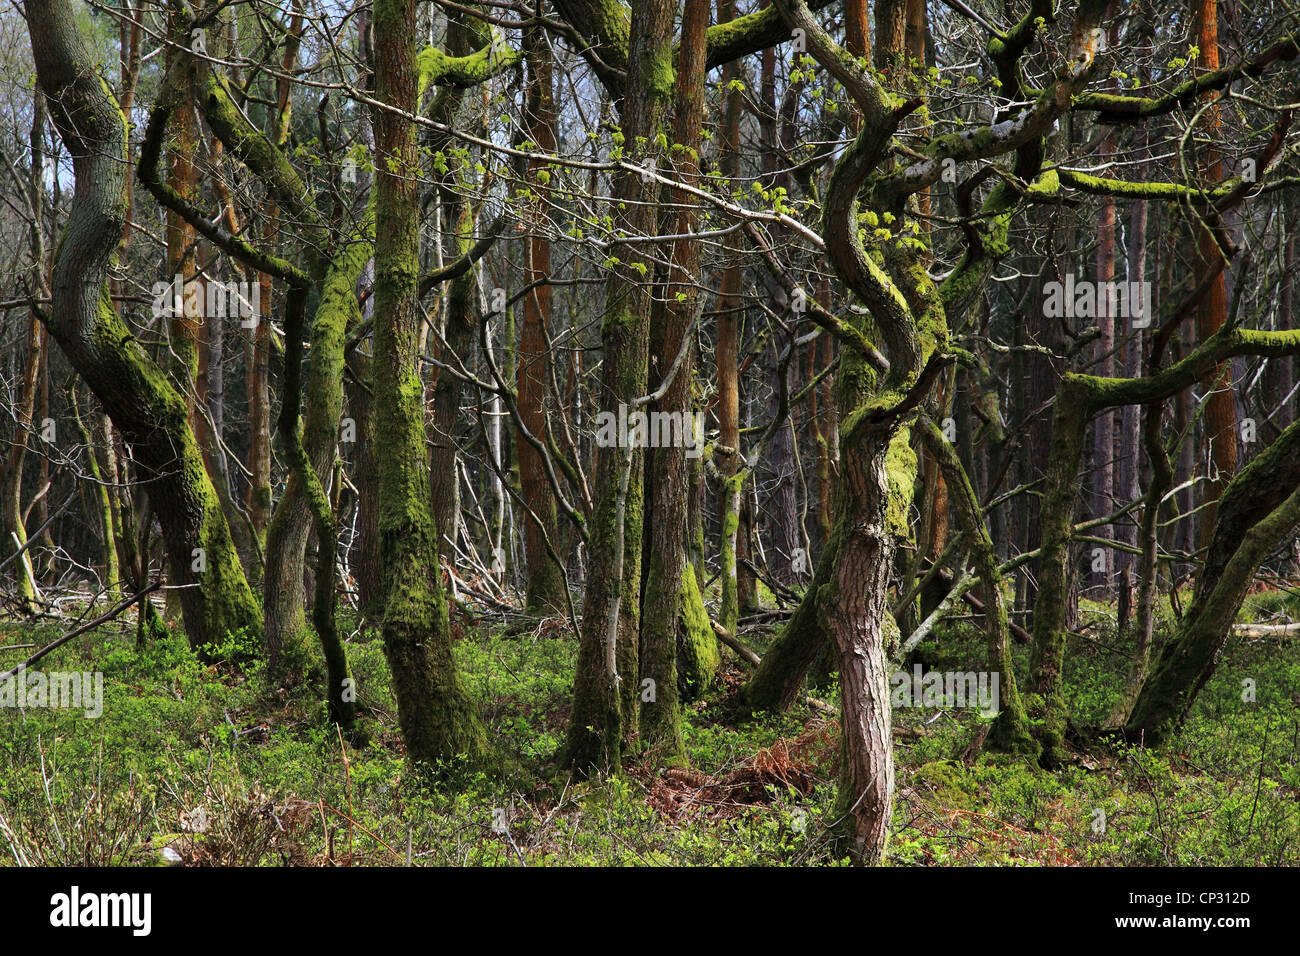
546	583
606	690
1220	422
437	718
215	597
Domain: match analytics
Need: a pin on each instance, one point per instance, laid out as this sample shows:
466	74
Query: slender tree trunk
546	584
728	401
1281	371
257	373
1128	466
1220	421
606	688
103	501
444	480
11	489
1103	426
11	480
437	718
828	435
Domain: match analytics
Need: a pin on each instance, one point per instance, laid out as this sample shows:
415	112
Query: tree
214	594
437	717
606	689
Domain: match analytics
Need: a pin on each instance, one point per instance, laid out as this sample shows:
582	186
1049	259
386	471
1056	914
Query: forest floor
212	764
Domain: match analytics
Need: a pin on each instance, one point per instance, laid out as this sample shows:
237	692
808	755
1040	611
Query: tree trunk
337	313
855	608
664	618
1103	426
437	718
546	583
150	414
606	688
1220	421
728	396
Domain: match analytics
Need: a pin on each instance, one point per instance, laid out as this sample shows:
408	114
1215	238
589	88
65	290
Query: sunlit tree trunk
437	718
546	584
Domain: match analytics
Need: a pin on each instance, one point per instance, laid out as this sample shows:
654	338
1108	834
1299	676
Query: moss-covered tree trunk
1258	508
337	312
338	304
1060	495
437	718
605	697
663	613
152	417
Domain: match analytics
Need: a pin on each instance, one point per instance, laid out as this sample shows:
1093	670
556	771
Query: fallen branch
725	636
77	632
1266	630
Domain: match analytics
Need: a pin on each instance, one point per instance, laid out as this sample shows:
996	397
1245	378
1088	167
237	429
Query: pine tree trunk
1220	424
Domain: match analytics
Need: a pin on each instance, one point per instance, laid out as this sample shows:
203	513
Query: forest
649	432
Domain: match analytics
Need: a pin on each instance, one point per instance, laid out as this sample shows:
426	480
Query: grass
218	765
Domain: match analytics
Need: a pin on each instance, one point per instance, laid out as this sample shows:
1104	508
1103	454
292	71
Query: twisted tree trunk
151	415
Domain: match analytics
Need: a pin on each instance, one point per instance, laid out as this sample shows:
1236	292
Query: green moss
900	470
1154	191
950	783
224	603
662	73
437	68
699	658
725	38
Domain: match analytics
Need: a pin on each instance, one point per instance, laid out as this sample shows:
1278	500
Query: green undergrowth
220	764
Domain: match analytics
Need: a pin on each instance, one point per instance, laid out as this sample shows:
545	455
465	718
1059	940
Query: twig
108	616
